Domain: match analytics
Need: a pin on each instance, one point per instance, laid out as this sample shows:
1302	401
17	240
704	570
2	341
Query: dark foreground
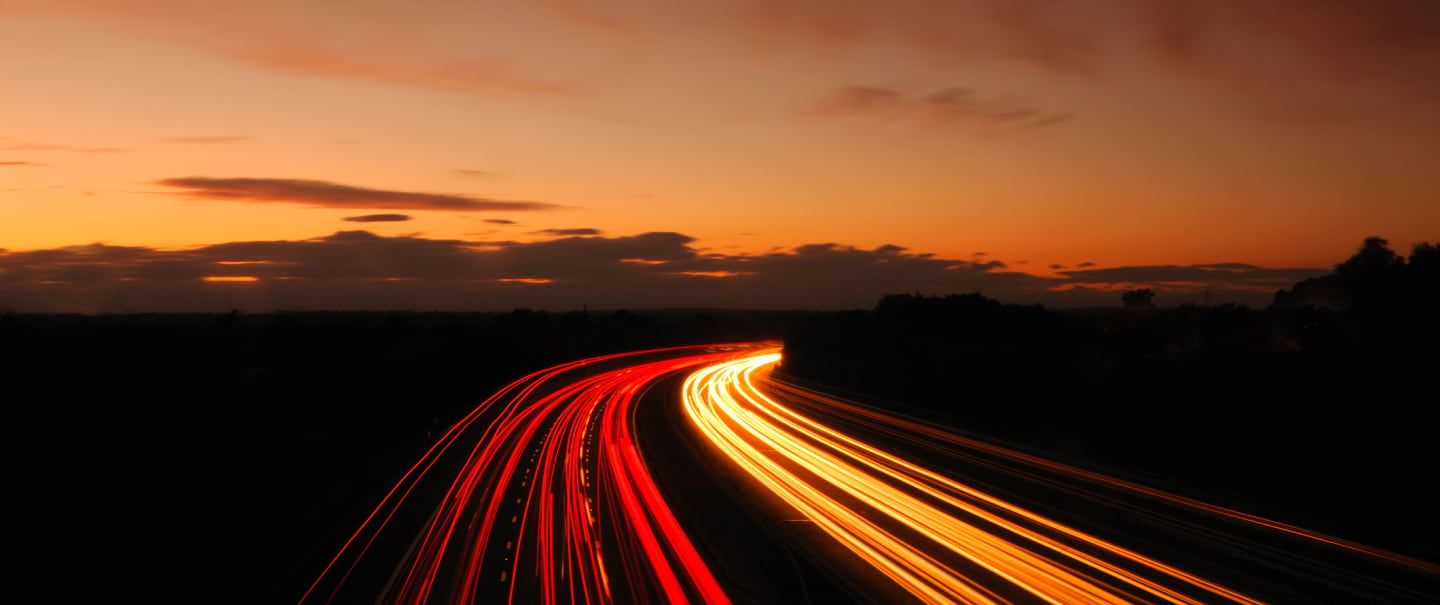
239	448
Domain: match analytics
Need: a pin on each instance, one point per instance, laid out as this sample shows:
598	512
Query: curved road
544	494
537	496
948	518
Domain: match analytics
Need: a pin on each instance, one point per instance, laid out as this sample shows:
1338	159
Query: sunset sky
470	154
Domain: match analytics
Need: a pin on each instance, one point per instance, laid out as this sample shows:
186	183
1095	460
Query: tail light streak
569	453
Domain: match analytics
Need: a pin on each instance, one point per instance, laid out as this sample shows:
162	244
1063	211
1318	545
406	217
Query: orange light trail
818	470
898	426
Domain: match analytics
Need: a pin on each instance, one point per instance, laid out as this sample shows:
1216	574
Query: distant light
231	278
525	280
643	261
714	273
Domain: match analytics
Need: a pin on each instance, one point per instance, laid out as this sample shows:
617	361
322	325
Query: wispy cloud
569	232
378	218
1386	43
1034	32
22	164
333	195
358	269
947	105
274	35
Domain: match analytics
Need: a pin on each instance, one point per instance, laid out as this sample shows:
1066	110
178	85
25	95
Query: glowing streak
767	440
562	440
901	426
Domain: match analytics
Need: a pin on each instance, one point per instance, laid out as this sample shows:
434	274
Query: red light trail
552	502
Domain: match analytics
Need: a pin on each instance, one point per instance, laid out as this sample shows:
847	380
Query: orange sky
1041	132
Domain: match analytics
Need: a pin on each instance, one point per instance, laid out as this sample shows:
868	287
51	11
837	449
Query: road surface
548	493
947	517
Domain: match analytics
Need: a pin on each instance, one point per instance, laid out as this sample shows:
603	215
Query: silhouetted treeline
1375	280
237	446
1311	412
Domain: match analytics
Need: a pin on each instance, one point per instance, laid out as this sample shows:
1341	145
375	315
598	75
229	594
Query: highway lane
951	518
543	497
544	494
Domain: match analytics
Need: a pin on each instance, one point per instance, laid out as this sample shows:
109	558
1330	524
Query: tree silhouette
1138	300
1375	278
1374	259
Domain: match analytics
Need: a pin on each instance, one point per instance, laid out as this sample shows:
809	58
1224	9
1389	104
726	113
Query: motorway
550	492
537	496
949	517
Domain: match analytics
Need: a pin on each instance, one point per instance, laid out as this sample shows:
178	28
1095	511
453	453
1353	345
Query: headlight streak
552	499
1028	551
1333	566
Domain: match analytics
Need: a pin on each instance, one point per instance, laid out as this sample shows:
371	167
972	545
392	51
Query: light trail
542	495
1011	460
940	539
552	502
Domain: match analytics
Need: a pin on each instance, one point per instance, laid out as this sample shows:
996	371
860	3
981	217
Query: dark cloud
589	258
499	221
214	140
358	269
1227	266
363	270
333	195
21	163
569	232
378	218
1085	265
1057	266
468	172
